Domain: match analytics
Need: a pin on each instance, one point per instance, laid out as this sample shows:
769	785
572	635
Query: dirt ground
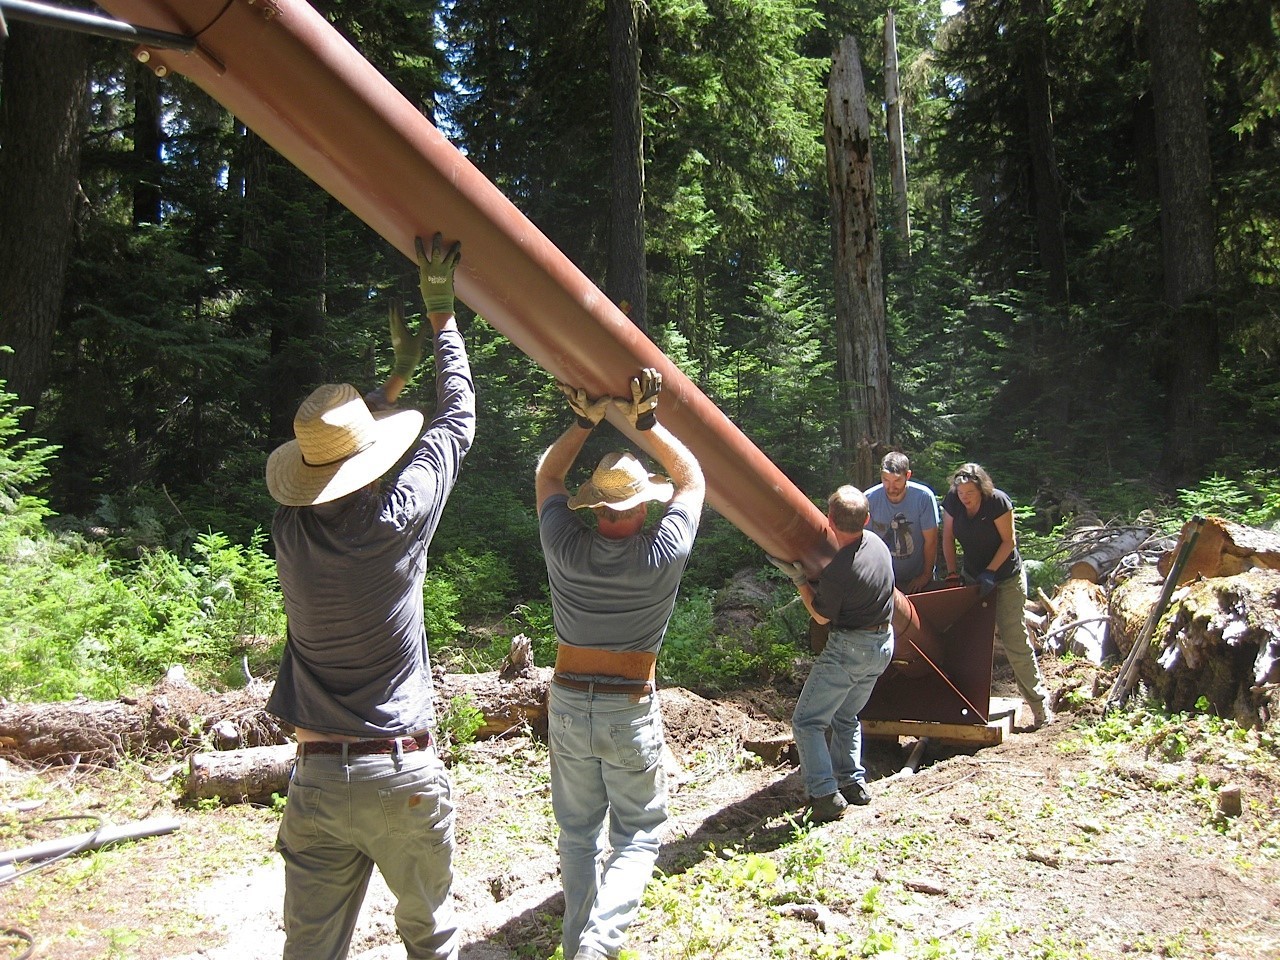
1036	847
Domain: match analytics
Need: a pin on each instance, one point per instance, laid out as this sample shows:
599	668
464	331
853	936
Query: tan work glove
589	412
792	568
641	410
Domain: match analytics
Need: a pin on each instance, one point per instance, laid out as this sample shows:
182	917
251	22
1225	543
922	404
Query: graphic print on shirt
899	534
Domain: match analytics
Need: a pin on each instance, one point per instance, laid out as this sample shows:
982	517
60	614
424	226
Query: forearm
455	389
556	461
806	597
679	463
949	553
1003	552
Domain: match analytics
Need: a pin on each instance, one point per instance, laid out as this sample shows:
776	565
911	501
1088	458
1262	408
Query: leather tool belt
594	662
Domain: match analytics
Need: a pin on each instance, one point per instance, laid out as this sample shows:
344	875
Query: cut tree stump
1219	640
1225	549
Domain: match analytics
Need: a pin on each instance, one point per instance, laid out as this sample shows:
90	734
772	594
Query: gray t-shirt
356	660
902	526
614	594
855	590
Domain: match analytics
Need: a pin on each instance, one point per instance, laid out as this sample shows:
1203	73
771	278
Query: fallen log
1078	625
1102	550
251	775
172	719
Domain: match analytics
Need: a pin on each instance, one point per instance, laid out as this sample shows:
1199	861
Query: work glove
794	571
986	582
589	412
641	409
435	273
407	346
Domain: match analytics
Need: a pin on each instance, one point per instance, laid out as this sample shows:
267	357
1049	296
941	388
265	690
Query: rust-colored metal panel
289	76
942	666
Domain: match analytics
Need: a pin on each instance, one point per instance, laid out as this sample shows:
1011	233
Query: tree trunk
897	150
627	280
1224	549
862	351
1186	224
42	118
1045	178
148	139
283	232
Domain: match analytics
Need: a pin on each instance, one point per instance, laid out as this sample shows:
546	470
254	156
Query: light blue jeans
345	815
838	687
606	758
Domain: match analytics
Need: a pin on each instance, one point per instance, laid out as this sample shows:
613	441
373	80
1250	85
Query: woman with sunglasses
978	515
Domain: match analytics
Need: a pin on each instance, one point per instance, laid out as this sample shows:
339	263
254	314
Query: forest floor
1090	838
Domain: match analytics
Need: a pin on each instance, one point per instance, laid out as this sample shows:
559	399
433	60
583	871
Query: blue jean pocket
638	743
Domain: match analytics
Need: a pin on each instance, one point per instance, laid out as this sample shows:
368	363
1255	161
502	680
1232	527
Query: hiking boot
1041	715
589	953
828	808
855	794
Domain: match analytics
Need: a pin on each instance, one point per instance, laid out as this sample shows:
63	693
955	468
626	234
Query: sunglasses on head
966	478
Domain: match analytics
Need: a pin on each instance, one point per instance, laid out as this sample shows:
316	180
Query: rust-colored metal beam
285	72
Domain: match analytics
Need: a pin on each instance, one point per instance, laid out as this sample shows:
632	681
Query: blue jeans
343	816
606	758
838	687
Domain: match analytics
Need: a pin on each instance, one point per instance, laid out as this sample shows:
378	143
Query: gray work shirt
614	594
356	660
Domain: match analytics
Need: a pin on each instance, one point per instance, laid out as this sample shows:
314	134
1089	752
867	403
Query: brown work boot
828	808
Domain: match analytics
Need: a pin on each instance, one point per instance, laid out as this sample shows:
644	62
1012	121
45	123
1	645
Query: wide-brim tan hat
339	447
621	482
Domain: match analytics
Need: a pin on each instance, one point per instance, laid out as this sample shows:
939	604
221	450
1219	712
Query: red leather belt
364	748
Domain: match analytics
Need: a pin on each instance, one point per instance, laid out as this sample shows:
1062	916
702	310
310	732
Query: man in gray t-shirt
355	680
904	514
613	589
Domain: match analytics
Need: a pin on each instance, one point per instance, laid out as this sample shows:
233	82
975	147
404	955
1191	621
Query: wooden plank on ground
1003	711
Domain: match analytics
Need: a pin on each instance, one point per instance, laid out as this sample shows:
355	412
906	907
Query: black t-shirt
855	590
978	535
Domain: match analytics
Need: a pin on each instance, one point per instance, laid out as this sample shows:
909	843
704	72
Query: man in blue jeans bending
613	588
854	594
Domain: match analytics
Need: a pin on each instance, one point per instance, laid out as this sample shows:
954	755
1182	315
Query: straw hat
340	447
621	482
